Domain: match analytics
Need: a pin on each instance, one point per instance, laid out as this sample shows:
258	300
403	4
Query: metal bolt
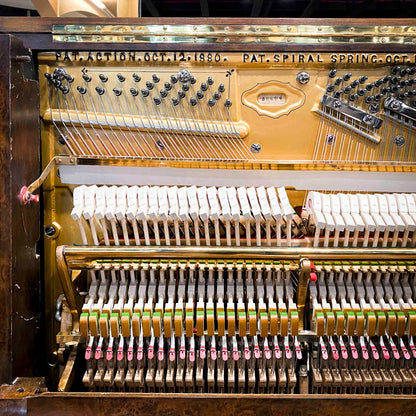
303	78
255	148
160	144
330	139
50	231
395	105
184	75
399	141
62	140
368	119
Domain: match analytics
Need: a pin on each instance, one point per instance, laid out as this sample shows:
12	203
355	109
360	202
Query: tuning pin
168	86
347	76
175	101
216	96
378	97
385	90
402	96
404	72
181	94
145	92
185	87
70	78
193	101
347	89
355	83
64	89
353	97
134	92
361	92
155	78
56	82
117	91
157	100
103	78
394	88
173	79
227	103
332	73
338	81
199	95
204	86
136	77
192	80
338	94
363	79
386	79
149	85
82	90
48	76
211	103
369	99
59	72
378	82
395	80
409	82
395	70
163	93
86	77
330	88
100	90
221	88
369	87
121	77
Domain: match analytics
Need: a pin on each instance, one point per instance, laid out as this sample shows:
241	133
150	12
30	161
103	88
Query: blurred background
215	8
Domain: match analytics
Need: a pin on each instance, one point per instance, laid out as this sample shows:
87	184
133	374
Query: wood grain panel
204	405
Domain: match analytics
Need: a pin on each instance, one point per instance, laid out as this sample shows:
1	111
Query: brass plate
245	34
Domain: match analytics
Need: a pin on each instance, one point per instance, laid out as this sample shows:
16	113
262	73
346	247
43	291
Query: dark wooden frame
20	286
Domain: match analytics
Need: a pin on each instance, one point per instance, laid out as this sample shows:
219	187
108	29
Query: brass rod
67	286
304	276
78	257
